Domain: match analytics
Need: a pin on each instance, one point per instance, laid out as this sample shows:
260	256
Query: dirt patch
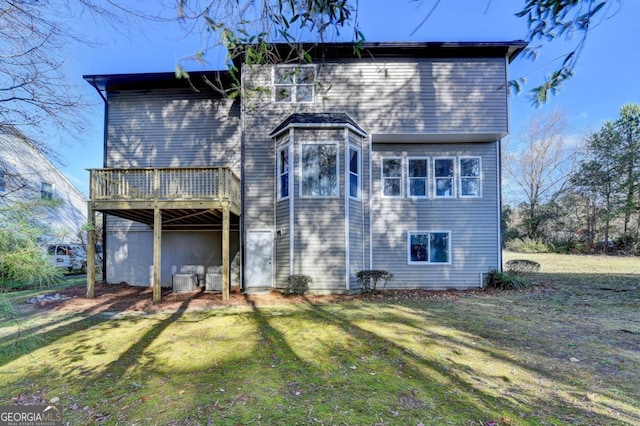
125	298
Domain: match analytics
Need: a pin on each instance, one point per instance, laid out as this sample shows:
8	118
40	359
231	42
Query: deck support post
91	251
157	254
226	287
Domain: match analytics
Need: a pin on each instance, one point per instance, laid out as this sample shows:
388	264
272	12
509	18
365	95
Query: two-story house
389	160
26	176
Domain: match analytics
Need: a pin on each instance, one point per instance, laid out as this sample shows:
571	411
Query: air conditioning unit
213	282
185	282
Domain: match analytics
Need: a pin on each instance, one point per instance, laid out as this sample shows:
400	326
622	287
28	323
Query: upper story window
3	181
417	175
469	176
354	172
293	83
319	170
392	177
46	190
444	177
283	172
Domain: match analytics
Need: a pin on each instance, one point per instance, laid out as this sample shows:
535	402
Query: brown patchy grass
565	352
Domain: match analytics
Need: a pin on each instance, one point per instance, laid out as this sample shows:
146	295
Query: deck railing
165	184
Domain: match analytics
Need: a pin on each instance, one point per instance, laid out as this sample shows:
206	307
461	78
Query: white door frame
271	272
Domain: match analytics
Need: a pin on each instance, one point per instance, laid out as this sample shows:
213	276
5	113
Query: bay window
319	170
354	172
283	172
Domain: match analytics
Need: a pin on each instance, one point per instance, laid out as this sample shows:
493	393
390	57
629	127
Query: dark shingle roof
321	119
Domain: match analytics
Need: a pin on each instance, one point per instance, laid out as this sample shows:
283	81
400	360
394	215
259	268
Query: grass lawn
567	352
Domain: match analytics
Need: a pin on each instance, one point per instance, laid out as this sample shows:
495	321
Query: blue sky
607	75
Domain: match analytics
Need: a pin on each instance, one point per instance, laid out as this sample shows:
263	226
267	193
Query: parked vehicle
71	257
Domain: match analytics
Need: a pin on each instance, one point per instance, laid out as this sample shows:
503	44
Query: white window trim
382	177
294	86
53	190
453	178
427	188
470	157
337	146
348	172
285	147
429	263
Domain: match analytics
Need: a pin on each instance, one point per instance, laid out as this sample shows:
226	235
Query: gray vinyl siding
130	254
356	242
319	223
165	128
383	96
358	216
169	128
283	243
283	224
426	95
420	96
473	222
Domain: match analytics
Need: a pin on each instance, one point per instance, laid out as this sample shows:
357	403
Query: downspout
104	164
499	154
241	230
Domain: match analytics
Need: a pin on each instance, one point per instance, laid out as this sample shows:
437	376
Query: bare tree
539	162
259	23
35	91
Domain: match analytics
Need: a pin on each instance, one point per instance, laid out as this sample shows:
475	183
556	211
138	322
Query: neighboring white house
27	175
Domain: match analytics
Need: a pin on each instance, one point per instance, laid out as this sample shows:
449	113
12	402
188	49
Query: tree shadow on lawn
12	344
298	385
516	397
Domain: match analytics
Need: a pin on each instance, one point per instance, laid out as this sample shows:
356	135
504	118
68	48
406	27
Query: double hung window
417	176
444	177
354	172
293	83
469	176
283	172
392	177
428	247
46	190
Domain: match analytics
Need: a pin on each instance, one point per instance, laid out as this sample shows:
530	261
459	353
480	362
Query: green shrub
528	245
369	279
504	281
298	284
569	247
23	263
522	266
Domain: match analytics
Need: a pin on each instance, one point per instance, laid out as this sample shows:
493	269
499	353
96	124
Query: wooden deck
165	198
166	188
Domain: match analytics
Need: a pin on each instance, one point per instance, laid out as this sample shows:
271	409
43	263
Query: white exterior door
259	259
